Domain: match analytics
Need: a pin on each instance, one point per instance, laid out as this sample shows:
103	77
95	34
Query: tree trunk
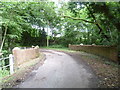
3	38
96	23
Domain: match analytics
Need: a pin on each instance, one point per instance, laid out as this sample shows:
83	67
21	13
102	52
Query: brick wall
24	55
109	52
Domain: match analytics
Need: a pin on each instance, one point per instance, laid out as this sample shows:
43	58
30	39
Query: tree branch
79	19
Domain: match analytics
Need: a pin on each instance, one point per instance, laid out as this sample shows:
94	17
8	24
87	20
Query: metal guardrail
10	65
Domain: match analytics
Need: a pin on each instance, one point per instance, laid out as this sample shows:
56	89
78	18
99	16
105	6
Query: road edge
21	74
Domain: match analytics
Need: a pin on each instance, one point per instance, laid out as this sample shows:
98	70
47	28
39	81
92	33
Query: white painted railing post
11	63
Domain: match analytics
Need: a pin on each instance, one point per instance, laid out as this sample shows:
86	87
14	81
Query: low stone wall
109	52
24	55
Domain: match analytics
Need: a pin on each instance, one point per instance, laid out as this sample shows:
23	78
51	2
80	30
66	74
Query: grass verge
59	49
22	72
107	71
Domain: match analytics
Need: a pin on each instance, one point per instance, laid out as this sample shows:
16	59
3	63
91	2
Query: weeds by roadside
106	70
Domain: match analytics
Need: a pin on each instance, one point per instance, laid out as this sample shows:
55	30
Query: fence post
11	63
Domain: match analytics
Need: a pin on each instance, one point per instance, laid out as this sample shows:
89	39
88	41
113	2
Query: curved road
60	70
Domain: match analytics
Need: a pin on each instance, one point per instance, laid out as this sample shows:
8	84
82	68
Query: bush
56	46
4	73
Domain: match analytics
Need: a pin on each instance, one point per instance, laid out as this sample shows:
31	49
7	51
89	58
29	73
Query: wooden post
11	63
47	37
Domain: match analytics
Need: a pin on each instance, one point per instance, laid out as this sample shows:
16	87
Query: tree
31	18
93	14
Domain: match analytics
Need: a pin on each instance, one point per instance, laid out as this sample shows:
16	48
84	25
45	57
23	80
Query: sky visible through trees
44	23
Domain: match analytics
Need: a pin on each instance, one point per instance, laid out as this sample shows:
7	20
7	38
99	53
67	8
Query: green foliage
107	16
5	53
4	73
26	23
56	46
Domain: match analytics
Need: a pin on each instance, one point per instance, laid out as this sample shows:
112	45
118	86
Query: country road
60	70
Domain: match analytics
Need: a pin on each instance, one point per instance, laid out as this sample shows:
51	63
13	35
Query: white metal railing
10	65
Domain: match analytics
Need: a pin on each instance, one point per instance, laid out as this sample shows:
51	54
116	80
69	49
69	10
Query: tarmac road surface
60	70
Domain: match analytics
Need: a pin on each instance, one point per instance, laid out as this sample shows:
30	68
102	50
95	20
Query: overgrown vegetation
106	70
23	24
26	23
30	23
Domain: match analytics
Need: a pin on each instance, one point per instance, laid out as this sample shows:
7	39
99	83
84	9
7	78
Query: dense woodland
24	24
